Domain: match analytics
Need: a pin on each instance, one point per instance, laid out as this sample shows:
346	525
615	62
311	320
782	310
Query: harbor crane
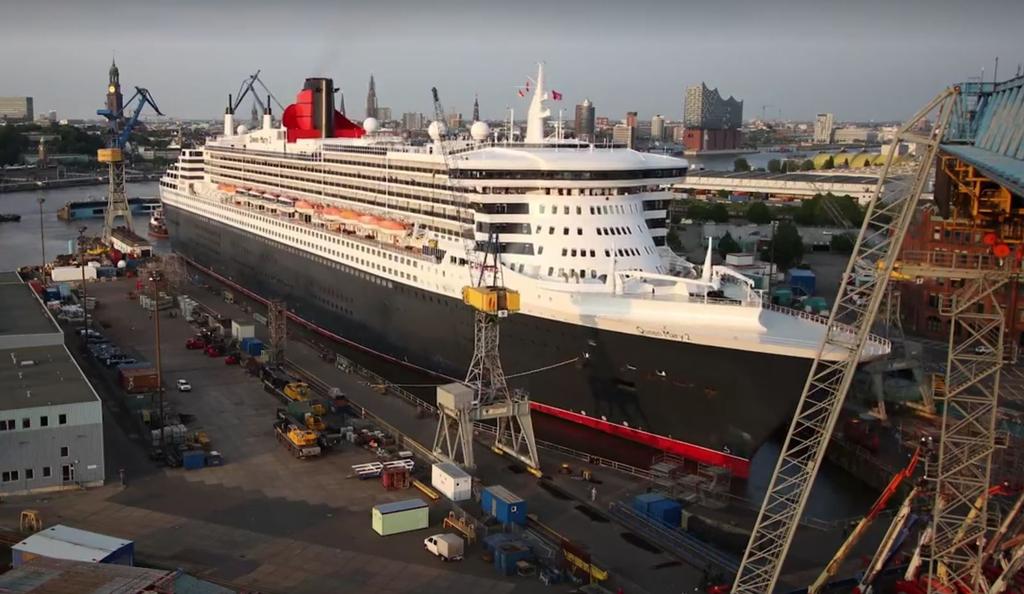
485	395
121	128
249	86
849	324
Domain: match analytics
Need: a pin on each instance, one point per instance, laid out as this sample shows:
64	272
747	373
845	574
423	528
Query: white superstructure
581	228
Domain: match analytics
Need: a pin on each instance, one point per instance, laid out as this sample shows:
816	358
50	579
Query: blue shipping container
493	541
64	289
667	511
193	459
501	503
642	503
805	279
507	555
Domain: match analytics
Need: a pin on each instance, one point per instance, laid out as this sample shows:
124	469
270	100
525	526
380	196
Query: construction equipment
249	86
488	397
296	391
302	443
120	131
858	532
881	235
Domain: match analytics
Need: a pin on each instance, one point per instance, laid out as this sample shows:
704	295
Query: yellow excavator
302	443
296	391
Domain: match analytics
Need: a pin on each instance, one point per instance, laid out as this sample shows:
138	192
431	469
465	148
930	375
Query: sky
860	59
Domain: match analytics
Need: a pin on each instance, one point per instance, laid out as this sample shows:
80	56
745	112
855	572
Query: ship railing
883	343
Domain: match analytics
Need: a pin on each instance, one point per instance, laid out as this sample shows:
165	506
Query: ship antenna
705	273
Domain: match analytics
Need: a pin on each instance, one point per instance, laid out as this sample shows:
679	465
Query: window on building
579	210
46	472
44	421
565	209
62	419
26	423
933	300
64	451
579	230
565	230
29	474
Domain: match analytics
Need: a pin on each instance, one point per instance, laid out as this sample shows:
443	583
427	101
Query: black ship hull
710	404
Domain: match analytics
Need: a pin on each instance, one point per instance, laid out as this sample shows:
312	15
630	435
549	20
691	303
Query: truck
302	443
448	547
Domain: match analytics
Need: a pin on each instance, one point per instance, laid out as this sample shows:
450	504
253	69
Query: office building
823	128
625	135
630	120
454	121
712	123
658	128
855	135
51	419
602	122
384	114
412	121
371	99
16	109
584	122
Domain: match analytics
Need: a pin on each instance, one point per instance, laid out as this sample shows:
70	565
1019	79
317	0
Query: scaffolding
876	249
277	326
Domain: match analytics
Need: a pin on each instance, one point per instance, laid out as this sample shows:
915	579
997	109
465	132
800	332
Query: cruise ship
370	239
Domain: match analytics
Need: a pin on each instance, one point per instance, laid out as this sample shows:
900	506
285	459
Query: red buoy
1001	251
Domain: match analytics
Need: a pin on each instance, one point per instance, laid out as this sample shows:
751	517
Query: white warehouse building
51	419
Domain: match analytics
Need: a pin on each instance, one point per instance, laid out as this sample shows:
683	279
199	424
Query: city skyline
768	56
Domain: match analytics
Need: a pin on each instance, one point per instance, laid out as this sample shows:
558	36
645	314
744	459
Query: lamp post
42	239
85	296
153	278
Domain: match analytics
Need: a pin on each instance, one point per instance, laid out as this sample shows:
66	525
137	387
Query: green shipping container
400	516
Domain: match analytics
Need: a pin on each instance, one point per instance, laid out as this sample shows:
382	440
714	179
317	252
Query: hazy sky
862	59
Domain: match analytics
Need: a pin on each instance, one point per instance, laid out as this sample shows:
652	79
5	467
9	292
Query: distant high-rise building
658	128
631	119
824	125
254	117
602	122
454	121
624	134
16	109
115	101
384	114
584	123
371	100
712	123
412	121
704	108
476	108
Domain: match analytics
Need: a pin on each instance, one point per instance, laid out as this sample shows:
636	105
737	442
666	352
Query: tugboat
157	226
10	218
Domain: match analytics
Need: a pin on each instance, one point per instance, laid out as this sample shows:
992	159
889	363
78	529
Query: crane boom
881	235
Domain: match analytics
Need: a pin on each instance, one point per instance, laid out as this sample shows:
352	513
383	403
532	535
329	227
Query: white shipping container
61	274
240	330
451	481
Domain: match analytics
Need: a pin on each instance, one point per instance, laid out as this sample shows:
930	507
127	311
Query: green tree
841	243
807	165
12	144
718	213
759	213
723	194
807	213
786	248
728	245
697	211
829	163
774	166
740	164
673	241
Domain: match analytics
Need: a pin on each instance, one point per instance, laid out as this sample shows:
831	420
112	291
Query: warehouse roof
23	312
58	576
51	378
72	544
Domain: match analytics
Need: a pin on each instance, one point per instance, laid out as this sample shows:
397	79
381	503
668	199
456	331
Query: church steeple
115	74
371	100
115	101
476	108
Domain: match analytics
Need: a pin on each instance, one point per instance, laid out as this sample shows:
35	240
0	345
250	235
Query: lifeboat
284	204
369	221
332	214
392	227
304	207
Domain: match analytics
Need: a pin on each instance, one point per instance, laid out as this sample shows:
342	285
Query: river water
20	242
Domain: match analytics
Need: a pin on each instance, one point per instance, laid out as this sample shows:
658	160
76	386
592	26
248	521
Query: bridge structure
787	186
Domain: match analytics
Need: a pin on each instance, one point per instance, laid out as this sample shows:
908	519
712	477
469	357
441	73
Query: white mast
538	114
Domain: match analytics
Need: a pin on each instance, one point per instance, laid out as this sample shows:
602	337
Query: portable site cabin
400	516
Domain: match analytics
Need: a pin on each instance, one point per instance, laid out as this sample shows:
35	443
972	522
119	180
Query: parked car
184	386
231	360
214	351
195	343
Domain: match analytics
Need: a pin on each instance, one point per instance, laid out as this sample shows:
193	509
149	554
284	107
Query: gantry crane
120	130
877	246
249	86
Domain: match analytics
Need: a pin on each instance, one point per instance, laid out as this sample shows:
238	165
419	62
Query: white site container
453	482
61	274
240	330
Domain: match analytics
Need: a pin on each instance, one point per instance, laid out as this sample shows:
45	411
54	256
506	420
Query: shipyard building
51	419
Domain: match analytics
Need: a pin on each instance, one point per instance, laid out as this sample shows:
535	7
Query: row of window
621	252
12	476
566	175
26	422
